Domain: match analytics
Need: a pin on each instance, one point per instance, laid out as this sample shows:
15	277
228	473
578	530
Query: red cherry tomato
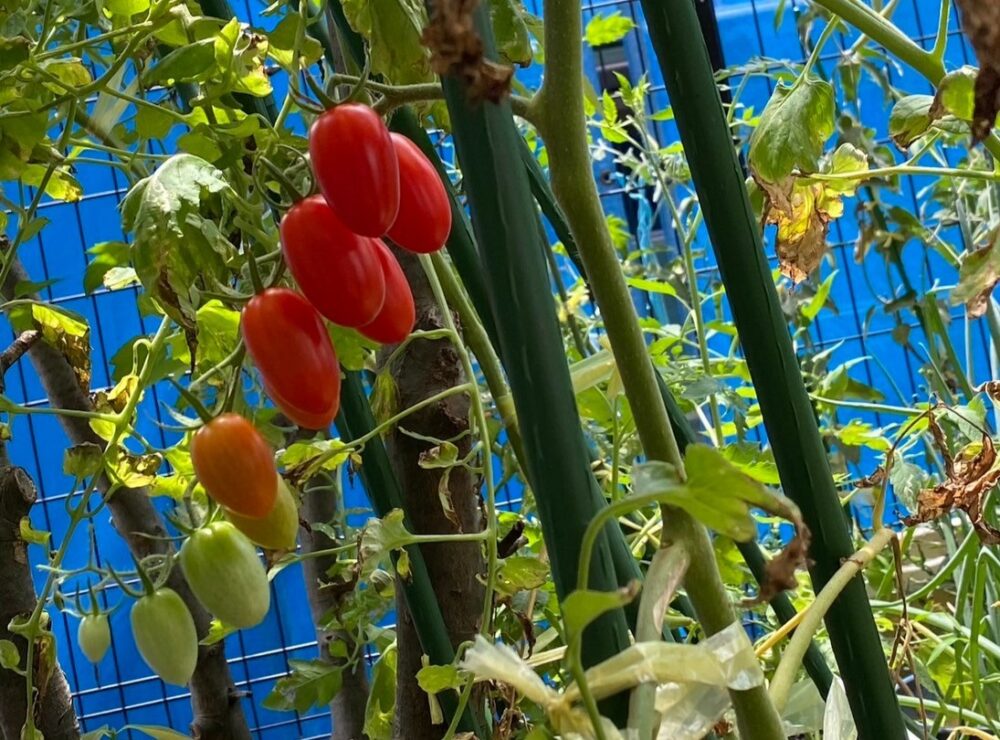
355	166
236	465
424	219
395	321
336	269
289	344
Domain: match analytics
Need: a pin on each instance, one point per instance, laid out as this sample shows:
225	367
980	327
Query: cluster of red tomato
373	184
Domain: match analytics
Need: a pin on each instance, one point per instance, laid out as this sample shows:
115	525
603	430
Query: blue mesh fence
121	690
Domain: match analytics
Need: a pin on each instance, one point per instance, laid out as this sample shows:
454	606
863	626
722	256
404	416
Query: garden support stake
787	411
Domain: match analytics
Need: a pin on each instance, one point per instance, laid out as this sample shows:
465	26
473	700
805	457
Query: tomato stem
203	413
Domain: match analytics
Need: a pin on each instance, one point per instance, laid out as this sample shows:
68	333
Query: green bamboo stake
506	227
788	414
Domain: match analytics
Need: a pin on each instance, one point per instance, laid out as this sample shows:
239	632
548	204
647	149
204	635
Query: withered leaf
977	277
970	477
779	573
457	49
981	22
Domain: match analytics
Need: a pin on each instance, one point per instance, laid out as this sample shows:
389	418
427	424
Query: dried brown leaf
457	49
970	477
981	22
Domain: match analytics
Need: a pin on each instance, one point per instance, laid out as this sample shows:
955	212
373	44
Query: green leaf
858	433
511	29
126	8
716	492
282	42
99	734
793	129
312	683
218	330
907	480
133	470
811	310
300	457
956	94
240	56
64	330
31	535
189	63
977	276
651	286
607	29
381	537
10	658
910	118
217	632
381	707
581	608
70	72
521	573
351	347
153	123
13	51
393	29
61	185
434	679
106	255
753	461
83	460
178	215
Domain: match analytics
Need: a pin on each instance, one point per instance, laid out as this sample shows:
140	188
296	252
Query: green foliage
792	131
311	683
608	28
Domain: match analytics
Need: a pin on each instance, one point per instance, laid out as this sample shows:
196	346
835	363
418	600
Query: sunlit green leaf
607	28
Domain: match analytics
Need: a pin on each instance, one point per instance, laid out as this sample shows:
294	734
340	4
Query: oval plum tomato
336	269
355	166
395	321
276	531
165	635
235	465
225	573
94	636
424	219
290	346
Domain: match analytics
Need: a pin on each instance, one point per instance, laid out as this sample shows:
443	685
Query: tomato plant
337	270
395	321
225	573
288	342
94	636
355	165
424	219
277	530
165	635
235	465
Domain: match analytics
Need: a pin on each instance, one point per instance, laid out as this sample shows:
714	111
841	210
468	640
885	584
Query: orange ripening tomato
355	166
336	269
424	219
289	344
395	321
236	465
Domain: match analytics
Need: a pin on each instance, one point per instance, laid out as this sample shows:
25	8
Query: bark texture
348	707
54	714
218	714
424	369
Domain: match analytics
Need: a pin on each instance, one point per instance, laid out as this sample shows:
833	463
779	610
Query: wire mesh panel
121	690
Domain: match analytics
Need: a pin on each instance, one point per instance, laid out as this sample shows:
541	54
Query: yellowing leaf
64	330
607	29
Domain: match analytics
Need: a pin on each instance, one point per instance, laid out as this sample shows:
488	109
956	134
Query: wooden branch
55	716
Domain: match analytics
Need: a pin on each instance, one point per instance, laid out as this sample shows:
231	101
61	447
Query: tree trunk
348	707
215	701
54	716
424	369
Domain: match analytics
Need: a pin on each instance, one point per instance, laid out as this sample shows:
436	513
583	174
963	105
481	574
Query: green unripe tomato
225	573
165	635
276	531
94	636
